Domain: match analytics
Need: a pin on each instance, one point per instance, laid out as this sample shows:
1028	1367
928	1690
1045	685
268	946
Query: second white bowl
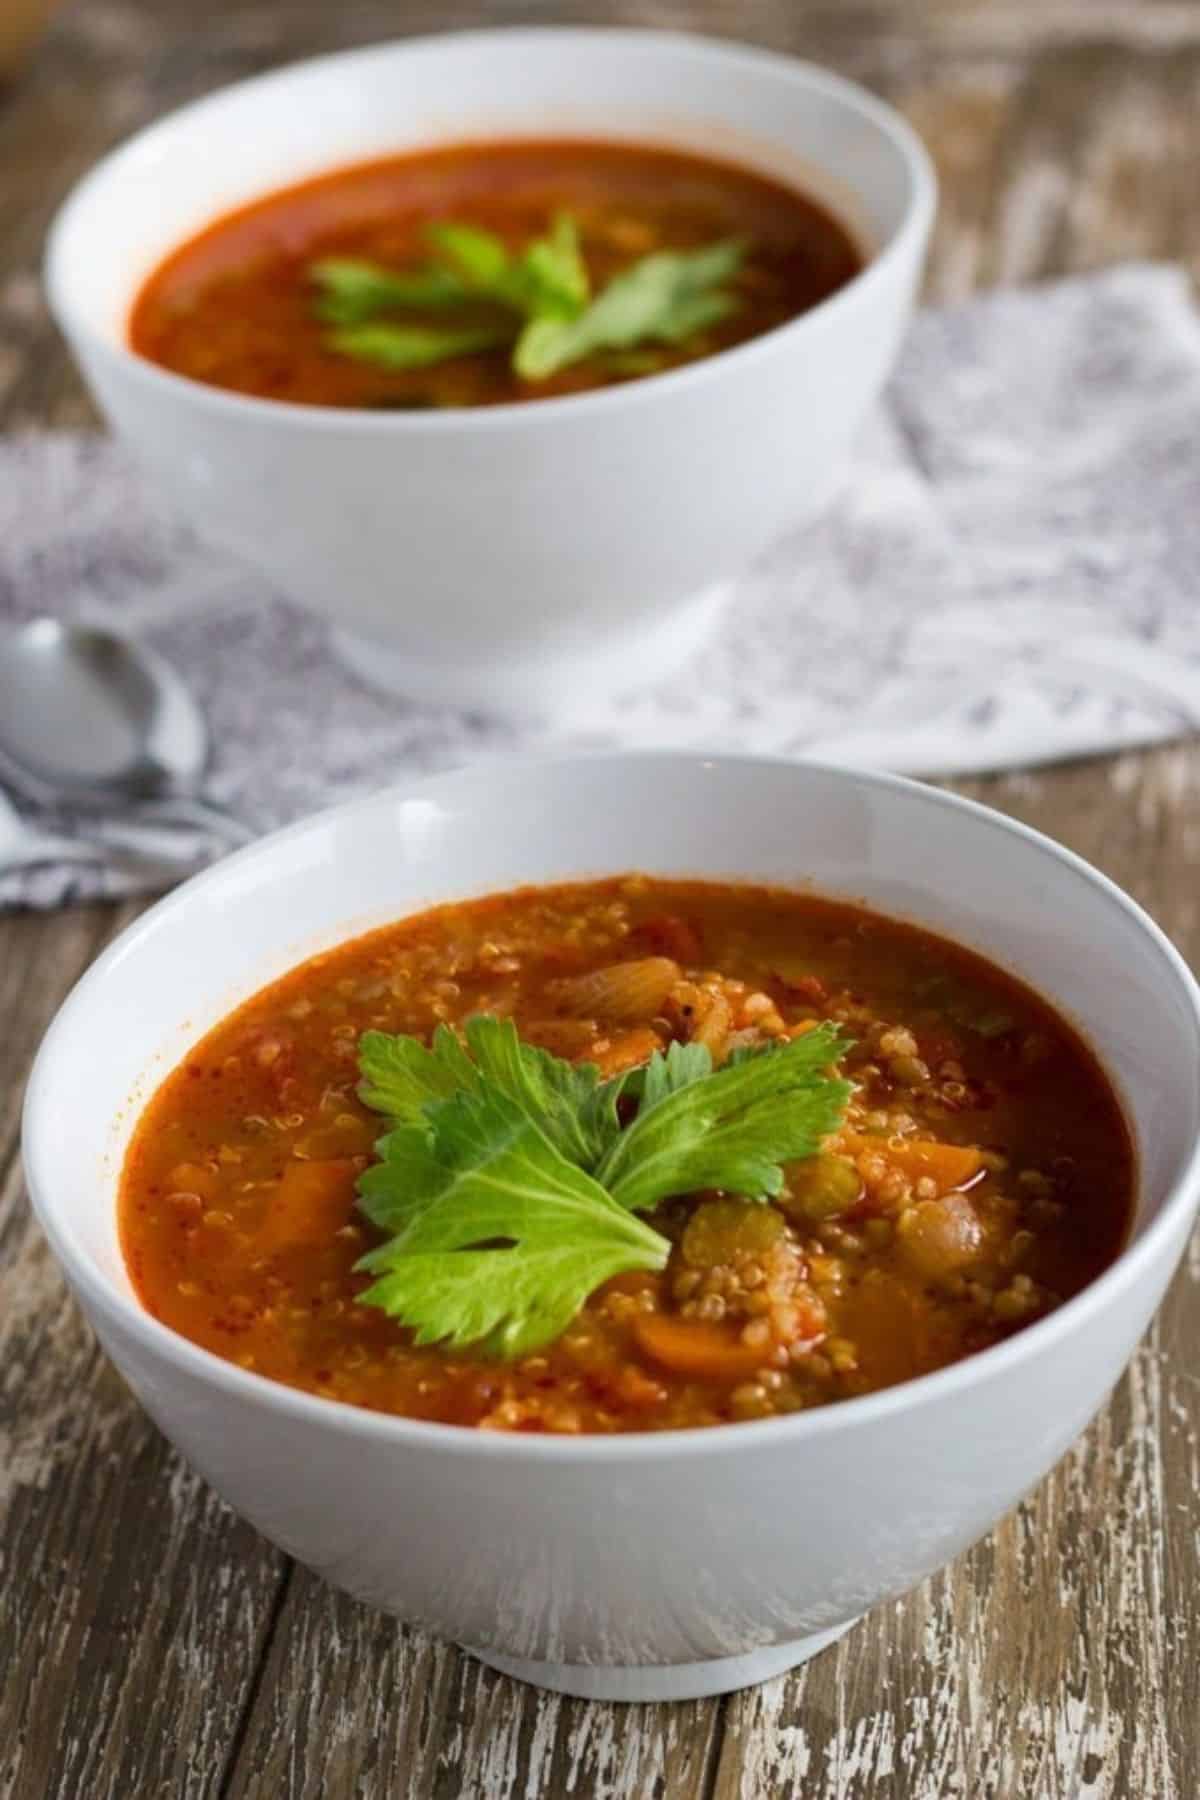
512	557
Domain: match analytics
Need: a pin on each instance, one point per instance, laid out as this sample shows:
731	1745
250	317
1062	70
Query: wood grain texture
151	1644
132	1603
432	1724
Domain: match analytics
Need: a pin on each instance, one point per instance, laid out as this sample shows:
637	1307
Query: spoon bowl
93	721
85	714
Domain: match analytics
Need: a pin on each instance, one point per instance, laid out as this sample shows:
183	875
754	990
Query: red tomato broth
233	306
240	1229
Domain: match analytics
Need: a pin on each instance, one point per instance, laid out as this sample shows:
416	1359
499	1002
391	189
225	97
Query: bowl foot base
551	686
680	1681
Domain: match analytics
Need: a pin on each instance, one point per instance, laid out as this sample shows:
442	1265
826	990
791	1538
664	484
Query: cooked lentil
975	1184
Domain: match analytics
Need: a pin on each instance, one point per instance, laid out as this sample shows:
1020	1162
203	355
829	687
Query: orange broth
983	1173
233	307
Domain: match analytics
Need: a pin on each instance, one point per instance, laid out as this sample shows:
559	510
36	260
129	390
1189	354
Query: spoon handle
36	849
205	815
31	849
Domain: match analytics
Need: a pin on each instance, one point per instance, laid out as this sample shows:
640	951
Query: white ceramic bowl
518	556
663	1565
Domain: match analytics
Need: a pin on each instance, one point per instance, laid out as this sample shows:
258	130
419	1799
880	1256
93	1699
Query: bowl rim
860	1412
913	228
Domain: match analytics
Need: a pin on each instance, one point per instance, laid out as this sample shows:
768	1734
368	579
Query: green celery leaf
662	298
548	280
733	1130
662	1075
500	1238
501	1303
509	1187
665	298
486	1172
694	314
393	1191
351	290
554	273
479	256
401	1077
414	346
567	1102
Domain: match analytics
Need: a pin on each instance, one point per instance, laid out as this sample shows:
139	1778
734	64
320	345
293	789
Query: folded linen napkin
1010	576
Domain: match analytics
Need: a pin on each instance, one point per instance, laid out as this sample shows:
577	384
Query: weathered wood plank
432	1724
32	984
132	1603
958	28
1039	1665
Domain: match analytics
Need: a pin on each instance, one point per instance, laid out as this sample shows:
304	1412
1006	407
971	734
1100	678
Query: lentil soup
241	305
978	1171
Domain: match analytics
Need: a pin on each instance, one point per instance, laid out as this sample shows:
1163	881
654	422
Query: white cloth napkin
1011	575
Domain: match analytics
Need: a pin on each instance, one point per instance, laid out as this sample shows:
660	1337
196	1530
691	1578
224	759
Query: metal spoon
93	721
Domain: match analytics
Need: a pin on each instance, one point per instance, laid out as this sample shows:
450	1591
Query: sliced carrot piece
311	1204
694	1347
950	1165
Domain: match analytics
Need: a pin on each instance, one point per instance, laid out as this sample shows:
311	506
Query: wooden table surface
150	1643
